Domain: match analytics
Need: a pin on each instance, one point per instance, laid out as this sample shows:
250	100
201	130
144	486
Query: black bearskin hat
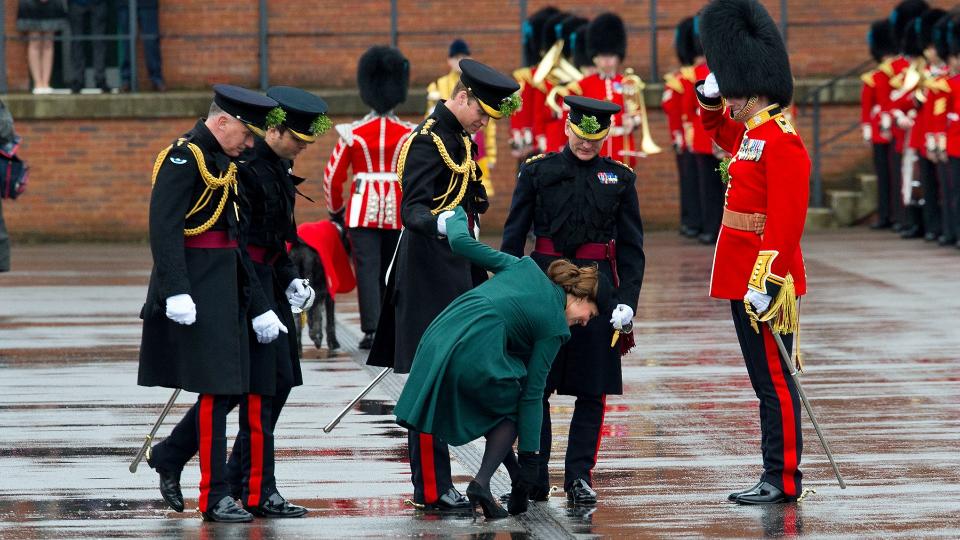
953	35
925	24
383	75
880	39
684	42
745	51
940	36
533	35
903	14
607	35
570	25
579	38
551	30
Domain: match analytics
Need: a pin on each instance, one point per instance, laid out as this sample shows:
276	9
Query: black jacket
426	275
574	202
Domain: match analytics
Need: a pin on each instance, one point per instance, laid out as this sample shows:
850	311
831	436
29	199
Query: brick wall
91	179
316	42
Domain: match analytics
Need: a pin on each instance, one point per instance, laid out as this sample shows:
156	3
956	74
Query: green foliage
276	117
321	125
724	170
589	124
510	104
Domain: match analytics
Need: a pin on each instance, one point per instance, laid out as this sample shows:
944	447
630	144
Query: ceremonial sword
156	425
333	423
792	368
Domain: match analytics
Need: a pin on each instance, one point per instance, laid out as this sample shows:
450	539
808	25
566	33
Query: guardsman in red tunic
952	189
875	123
675	89
522	138
371	146
758	265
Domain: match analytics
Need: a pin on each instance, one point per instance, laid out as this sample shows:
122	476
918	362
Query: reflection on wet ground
878	337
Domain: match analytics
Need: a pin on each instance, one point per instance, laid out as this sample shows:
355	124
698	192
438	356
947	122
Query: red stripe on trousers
775	366
256	450
206	442
426	467
596	452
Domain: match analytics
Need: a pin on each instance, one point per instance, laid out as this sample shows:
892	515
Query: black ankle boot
481	496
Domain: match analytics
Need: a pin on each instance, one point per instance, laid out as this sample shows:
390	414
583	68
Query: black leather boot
580	493
733	496
227	511
764	493
170	489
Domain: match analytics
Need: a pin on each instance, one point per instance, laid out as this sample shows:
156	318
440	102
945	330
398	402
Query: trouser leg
212	444
931	197
881	164
366	251
172	453
4	243
235	469
429	467
76	13
256	439
896	188
98	26
779	407
150	26
711	192
583	444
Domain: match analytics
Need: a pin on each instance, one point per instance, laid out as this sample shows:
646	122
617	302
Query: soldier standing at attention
582	207
371	146
198	304
758	265
438	173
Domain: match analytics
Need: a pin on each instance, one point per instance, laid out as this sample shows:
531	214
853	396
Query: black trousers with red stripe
429	467
237	470
583	442
203	430
781	441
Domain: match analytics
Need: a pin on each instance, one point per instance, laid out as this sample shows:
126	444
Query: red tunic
521	121
897	66
770	174
611	89
371	147
953	117
698	140
672	103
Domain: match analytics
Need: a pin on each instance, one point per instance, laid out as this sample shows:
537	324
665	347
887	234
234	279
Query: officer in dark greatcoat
583	207
203	291
437	172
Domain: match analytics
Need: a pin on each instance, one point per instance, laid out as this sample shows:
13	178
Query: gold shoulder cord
213	183
467	169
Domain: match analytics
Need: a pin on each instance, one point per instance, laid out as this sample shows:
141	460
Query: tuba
635	103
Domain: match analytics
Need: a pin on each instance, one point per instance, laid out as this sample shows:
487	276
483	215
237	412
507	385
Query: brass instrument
560	91
633	87
556	68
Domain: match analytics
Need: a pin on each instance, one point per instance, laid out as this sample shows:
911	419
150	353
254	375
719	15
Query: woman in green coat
481	366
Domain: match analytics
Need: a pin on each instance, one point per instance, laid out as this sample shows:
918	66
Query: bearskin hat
903	14
910	44
552	30
533	35
568	35
880	39
684	42
953	35
579	39
607	35
383	75
940	36
745	50
925	24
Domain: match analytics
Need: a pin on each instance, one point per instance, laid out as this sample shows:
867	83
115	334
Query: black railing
814	100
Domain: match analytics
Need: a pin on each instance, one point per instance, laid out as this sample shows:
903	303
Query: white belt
376	177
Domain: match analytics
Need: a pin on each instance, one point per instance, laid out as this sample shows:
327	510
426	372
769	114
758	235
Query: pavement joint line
539	520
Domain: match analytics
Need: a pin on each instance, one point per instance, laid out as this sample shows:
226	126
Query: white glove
300	295
885	122
267	326
442	222
867	132
758	300
622	316
710	87
181	309
931	143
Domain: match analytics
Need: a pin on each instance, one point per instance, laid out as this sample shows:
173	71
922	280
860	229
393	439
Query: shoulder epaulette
523	75
345	131
785	125
671	81
886	67
427	126
867	78
534	158
689	73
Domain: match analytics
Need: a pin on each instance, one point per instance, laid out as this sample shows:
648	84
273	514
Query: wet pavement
879	336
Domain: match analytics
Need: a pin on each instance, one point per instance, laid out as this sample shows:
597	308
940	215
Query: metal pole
3	50
654	71
816	192
784	20
394	32
336	420
132	43
264	50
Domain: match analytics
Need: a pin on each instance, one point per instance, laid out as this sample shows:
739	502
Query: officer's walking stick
156	425
333	423
792	368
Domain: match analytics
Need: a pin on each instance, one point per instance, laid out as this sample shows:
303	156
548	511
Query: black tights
499	444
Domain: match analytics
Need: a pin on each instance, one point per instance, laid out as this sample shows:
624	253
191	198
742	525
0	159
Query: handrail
813	99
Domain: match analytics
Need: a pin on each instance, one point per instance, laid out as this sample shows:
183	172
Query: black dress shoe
170	489
451	501
946	240
580	493
366	342
707	238
276	507
764	493
733	496
481	496
539	494
931	236
880	225
896	227
227	511
911	232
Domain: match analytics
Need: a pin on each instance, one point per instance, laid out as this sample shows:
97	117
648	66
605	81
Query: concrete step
845	205
868	195
819	219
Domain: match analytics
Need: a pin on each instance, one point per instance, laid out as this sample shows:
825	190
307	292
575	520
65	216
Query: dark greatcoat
269	191
211	355
574	202
426	275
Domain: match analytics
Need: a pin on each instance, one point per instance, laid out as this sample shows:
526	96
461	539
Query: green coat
486	357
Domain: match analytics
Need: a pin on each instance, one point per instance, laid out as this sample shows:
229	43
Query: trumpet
635	103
